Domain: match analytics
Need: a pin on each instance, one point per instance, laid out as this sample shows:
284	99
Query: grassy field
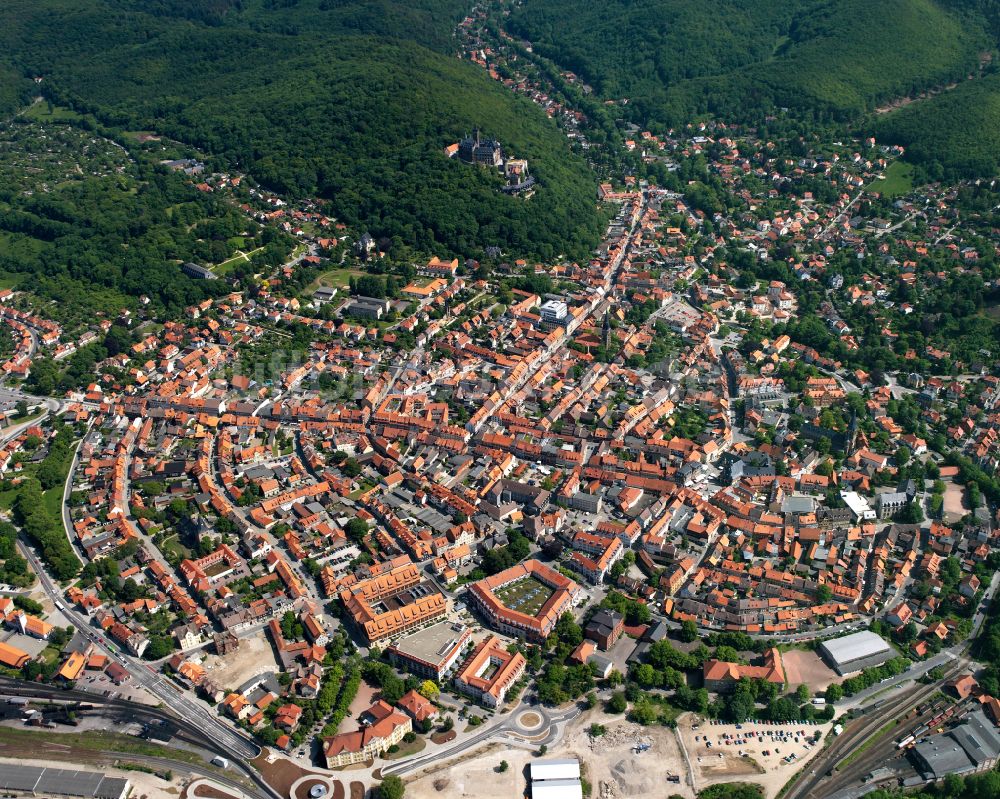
46	112
363	486
14	247
992	312
10	280
173	544
407	749
42	744
898	180
52	499
228	266
335	278
26	418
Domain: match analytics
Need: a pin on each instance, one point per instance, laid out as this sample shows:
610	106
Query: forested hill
15	90
299	95
837	58
955	134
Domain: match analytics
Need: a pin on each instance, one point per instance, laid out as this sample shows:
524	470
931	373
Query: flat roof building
556	768
555	778
557	789
554	311
198	272
858	505
678	315
855	652
433	651
367	307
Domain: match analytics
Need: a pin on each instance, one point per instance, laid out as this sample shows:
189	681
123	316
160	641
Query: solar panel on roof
111	788
19	778
62	782
72	783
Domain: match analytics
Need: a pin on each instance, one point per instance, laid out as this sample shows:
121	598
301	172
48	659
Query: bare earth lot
807	667
254	657
954	504
617	771
475	777
362	701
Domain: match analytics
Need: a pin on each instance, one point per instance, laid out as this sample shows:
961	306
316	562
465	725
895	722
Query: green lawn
26	418
15	246
10	280
898	180
407	749
52	499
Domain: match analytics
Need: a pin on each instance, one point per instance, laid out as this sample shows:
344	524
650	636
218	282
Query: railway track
883	751
818	782
186	730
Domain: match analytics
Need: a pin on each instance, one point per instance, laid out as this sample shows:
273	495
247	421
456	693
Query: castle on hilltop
474	149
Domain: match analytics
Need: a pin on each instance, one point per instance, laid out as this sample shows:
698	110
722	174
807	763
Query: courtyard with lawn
528	595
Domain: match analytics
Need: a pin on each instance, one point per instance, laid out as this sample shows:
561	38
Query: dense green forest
627	49
954	134
15	91
288	91
835	58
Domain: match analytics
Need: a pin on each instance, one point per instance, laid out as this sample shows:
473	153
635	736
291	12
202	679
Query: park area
335	278
525	596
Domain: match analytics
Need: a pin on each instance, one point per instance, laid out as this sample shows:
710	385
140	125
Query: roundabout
529	721
315	786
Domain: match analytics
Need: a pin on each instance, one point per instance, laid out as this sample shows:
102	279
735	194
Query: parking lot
99	682
763	752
